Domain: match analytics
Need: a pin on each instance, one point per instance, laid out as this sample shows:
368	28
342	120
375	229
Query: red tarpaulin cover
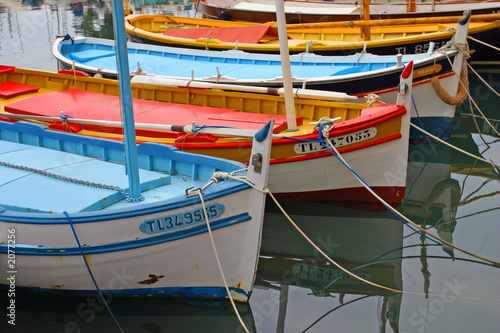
96	106
250	34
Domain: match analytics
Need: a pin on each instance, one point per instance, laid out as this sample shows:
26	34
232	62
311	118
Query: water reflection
88	314
484	98
367	240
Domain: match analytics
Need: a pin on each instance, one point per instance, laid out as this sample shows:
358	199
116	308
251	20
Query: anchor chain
64	178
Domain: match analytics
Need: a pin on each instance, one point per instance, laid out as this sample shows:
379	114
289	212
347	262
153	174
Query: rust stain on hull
153	279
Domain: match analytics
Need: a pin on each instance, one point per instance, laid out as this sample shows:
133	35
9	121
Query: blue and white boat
80	214
362	74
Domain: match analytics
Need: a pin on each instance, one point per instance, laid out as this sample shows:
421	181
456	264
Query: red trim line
414	84
335	132
345	150
391	194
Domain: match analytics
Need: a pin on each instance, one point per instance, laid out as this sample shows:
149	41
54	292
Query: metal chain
64	178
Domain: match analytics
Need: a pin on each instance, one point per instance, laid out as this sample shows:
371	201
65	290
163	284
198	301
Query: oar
227	131
298	92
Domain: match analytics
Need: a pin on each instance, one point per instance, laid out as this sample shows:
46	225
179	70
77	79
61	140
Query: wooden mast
365	30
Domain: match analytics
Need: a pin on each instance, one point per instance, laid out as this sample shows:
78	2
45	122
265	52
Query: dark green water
297	290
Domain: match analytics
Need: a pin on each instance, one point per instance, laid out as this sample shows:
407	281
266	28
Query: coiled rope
462	93
464	84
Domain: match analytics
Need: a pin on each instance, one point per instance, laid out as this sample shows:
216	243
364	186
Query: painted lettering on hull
338	141
180	220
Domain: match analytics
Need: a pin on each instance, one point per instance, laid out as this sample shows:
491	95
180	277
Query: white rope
482	114
326	256
456	148
358	277
219	264
401	215
472	100
372	98
483	80
481	42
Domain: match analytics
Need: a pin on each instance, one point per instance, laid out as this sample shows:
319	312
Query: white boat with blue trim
52	182
81	214
362	74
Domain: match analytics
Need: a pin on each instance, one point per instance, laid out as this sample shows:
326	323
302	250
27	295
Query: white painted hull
140	248
188	262
430	112
381	166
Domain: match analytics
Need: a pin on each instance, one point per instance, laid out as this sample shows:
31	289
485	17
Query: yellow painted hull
322	38
370	136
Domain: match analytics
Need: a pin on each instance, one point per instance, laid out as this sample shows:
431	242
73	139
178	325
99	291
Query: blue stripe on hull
180	292
438	126
22	249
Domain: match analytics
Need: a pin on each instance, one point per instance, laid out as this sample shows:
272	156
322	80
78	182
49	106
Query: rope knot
372	98
220	175
325	125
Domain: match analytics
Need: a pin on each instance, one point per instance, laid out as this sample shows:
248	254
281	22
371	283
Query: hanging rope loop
463	88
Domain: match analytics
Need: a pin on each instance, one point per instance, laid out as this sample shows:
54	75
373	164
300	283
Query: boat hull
177	263
312	13
322	39
156	247
430	111
380	133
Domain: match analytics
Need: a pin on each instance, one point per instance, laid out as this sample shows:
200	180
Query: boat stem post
132	165
285	66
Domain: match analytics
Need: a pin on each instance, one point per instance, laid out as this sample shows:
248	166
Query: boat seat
87	55
6	69
9	89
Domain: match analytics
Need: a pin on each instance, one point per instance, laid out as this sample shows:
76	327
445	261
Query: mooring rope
333	261
472	100
199	191
481	42
452	146
90	272
358	277
481	112
337	154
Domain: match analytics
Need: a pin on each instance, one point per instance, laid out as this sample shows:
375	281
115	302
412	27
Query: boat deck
180	65
72	195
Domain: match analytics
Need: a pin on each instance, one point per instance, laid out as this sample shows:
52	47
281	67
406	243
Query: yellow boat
405	36
373	139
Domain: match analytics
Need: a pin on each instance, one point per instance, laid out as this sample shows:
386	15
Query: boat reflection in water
367	240
154	314
368	243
